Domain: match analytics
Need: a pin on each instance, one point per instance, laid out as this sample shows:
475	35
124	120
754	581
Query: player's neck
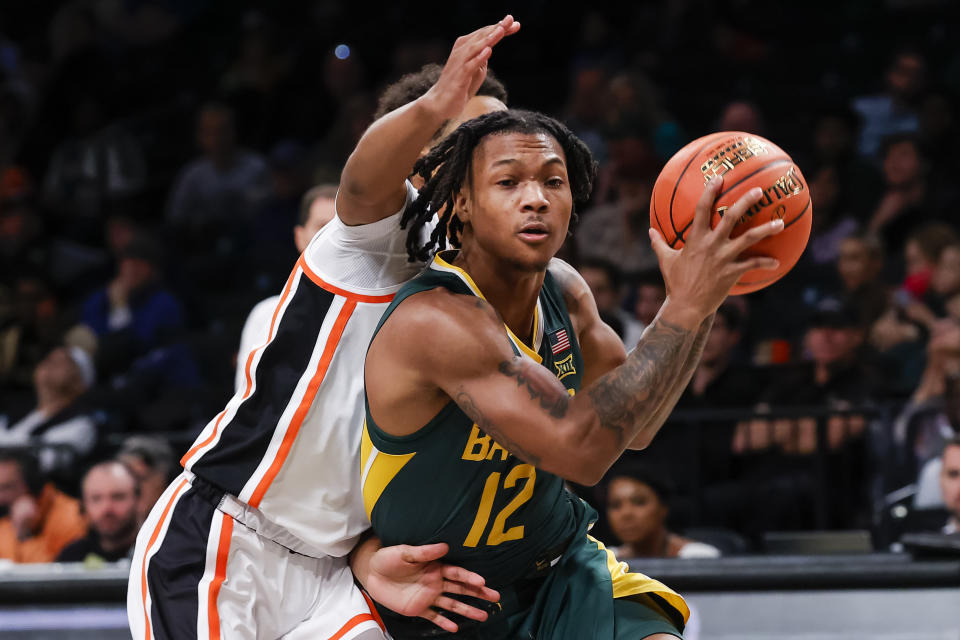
512	292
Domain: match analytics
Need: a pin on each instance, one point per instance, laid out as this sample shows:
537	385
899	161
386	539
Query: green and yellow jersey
502	518
451	482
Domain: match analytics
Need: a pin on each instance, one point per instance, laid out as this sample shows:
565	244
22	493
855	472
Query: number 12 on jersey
498	532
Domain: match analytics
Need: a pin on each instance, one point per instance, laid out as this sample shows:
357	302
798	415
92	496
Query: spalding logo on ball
744	160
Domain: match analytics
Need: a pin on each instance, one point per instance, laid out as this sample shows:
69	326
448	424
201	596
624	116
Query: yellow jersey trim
627	583
379	469
537	324
366	447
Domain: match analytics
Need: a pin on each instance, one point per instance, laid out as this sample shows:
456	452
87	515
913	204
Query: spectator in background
134	313
650	295
929	421
225	185
317	208
832	224
944	287
152	462
859	264
909	199
32	327
719	380
37	521
604	280
270	249
617	229
837	375
776	473
950	484
922	251
586	105
120	231
59	417
97	164
900	334
635	101
741	116
895	110
637	509
944	283
835	145
109	499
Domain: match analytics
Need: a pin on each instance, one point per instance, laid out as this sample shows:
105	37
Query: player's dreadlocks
449	164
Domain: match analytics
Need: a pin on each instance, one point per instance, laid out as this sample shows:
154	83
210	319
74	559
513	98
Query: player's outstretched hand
411	581
699	275
466	67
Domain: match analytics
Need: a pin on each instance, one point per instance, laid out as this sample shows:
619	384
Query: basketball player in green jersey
491	378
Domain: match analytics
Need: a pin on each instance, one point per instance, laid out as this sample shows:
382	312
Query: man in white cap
59	381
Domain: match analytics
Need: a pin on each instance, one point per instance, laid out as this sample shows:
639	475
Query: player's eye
507	182
555	182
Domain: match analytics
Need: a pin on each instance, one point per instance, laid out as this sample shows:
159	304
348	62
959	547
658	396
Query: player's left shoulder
576	292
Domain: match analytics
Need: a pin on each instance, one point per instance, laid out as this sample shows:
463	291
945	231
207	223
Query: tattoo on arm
553	398
465	402
627	398
685	373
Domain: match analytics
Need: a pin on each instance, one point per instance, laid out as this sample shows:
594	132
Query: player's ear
461	205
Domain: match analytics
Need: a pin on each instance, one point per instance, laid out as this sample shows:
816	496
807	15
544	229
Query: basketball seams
653	201
673	245
780	275
772	163
676	184
799	215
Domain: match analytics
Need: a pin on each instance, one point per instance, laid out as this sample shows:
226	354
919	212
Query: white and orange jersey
286	447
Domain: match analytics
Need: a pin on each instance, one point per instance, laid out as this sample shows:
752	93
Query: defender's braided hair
449	164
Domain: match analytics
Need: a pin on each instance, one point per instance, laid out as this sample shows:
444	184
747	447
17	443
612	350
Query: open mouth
534	231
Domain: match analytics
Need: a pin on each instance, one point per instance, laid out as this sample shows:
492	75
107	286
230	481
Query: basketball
744	160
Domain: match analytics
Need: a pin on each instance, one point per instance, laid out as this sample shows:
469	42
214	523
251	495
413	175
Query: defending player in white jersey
317	208
251	541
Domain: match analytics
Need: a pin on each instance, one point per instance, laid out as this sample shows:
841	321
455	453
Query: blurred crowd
159	172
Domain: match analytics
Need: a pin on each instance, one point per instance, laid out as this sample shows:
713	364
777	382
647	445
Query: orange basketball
745	161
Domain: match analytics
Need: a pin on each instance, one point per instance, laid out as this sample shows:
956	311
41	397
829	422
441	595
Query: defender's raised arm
371	186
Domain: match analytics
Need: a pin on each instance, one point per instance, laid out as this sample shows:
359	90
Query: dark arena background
153	158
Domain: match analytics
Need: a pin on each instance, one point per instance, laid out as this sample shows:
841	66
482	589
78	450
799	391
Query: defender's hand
410	581
466	68
700	275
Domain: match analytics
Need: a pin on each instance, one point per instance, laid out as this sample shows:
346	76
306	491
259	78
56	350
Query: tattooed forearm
469	407
661	414
553	397
629	396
